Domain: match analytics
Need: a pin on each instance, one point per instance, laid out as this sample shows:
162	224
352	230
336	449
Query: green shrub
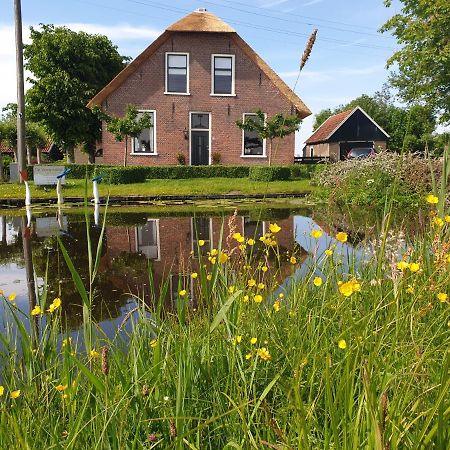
269	173
184	172
125	175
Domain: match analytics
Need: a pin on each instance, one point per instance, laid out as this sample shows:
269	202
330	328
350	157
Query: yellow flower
242	247
274	228
293	260
261	286
2	390
342	344
231	289
251	282
432	199
223	258
277	305
15	394
1	292
182	293
153	343
264	354
442	297
341	237
194	275
238	237
12	297
281	295
438	222
349	287
54	305
447	219
410	290
245	299
214	252
251	242
67	341
61	387
248	356
414	267
253	340
316	234
209	276
402	265
264	268
258	298
94	354
36	311
201	243
317	281
238	339
328	252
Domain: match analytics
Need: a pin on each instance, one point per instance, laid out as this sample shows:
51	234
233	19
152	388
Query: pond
138	242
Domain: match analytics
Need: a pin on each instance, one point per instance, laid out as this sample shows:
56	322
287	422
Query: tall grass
359	361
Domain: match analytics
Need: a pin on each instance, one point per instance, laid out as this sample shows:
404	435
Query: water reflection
135	245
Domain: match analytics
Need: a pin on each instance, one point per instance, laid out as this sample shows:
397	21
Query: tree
408	128
279	126
128	126
68	69
422	28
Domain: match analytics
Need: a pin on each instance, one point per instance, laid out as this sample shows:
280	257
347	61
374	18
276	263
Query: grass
348	361
198	186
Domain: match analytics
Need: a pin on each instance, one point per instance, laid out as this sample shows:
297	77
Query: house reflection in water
169	246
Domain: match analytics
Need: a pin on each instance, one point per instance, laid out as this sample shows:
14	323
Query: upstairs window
145	143
222	74
252	144
177	73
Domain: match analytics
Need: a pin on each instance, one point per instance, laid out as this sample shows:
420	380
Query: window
201	231
222	74
148	239
252	144
177	73
145	143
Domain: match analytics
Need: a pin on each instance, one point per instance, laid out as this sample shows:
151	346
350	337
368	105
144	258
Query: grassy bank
198	186
338	360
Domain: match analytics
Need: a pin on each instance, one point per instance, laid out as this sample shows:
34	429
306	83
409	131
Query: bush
269	173
125	175
303	171
184	172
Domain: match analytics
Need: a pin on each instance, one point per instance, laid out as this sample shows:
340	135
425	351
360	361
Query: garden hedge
272	173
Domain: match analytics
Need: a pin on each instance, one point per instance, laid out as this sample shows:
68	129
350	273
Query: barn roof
202	21
333	123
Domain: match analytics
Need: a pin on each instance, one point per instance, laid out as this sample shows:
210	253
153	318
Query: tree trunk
70	155
126	152
270	152
39	155
29	157
91	156
2	178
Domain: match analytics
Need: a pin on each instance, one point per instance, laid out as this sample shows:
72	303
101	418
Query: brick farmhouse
196	80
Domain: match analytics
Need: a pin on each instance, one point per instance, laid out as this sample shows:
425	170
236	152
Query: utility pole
21	150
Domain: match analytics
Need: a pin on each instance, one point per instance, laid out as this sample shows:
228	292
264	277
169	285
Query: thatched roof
201	21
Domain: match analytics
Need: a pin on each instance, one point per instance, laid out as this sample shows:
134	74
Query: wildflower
258	298
182	293
328	252
231	289
223	258
438	221
261	286
342	344
253	340
94	354
1	292
214	252
194	275
251	242
238	237
54	305
61	387
245	299
36	311
166	398
212	259
402	265
248	356
12	297
264	269
272	243
293	260
15	394
264	354
442	297
209	276
238	339
251	282
316	234
201	243
2	390
410	289
153	343
277	305
349	287
432	199
274	228
341	237
414	267
317	281
281	295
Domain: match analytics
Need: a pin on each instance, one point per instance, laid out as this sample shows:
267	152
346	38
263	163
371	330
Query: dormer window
177	73
222	74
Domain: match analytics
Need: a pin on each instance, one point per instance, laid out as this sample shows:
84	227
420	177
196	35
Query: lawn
197	186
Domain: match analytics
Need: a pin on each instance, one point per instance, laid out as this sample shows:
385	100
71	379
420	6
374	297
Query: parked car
360	152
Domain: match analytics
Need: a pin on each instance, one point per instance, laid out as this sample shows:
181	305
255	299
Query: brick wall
145	89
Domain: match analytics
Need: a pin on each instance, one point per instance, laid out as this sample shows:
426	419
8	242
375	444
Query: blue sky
348	58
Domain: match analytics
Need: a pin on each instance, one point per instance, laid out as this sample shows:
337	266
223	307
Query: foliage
423	60
68	69
216	157
126	175
278	126
128	126
181	159
408	128
272	173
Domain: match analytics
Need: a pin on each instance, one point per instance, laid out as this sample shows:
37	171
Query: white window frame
200	129
264	155
264	227
157	239
166	73
193	236
155	153
233	68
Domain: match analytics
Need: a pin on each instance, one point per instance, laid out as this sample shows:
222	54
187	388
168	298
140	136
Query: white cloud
116	32
312	2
